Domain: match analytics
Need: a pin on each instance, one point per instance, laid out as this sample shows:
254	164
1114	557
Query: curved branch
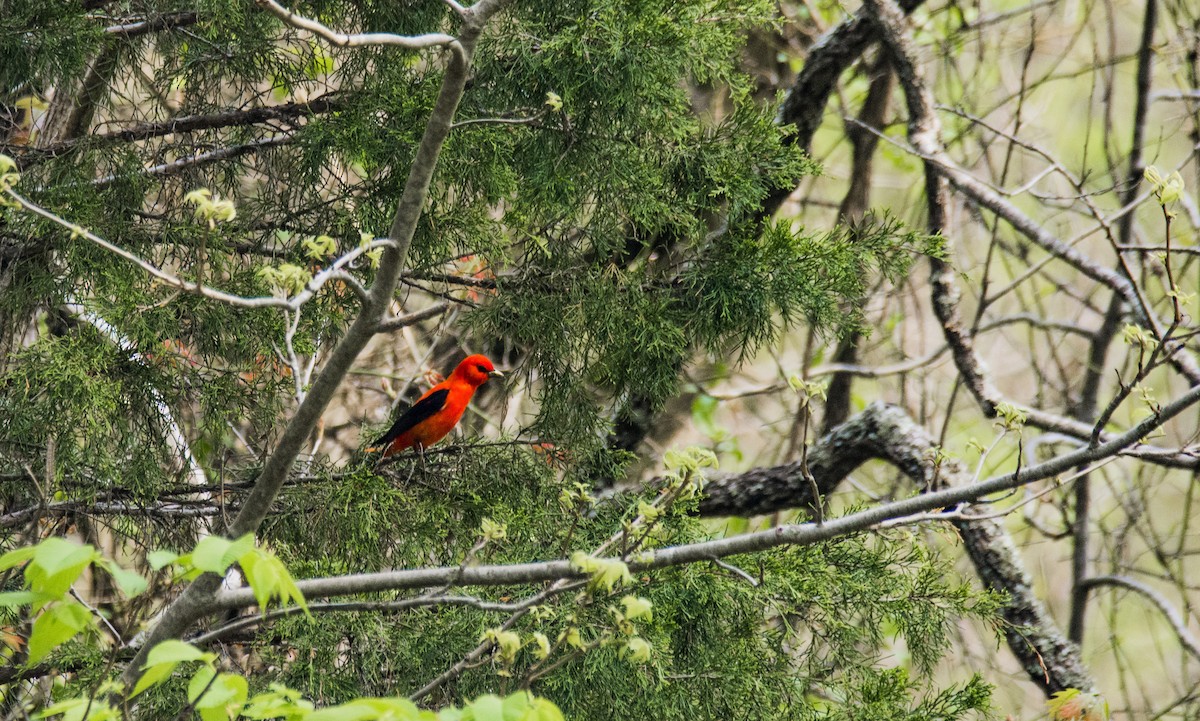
1178	624
333	37
805	103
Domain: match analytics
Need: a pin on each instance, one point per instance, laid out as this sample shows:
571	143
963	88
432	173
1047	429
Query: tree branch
887	433
805	103
293	304
1178	624
411	42
197	599
153	23
396	323
793	534
29	157
201	159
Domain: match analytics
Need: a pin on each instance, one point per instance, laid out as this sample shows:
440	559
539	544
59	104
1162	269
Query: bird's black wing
421	410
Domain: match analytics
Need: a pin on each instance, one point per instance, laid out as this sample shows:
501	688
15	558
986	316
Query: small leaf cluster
266	574
1166	188
50	570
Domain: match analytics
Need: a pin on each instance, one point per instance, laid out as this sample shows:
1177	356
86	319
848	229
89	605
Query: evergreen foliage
623	233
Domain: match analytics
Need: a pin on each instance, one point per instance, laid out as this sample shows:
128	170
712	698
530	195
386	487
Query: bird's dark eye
480	368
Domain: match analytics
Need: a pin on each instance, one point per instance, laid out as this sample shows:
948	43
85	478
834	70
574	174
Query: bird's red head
476	369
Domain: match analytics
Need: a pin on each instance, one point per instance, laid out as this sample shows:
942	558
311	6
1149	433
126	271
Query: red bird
437	412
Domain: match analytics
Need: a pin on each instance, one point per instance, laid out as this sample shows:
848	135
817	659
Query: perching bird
437	412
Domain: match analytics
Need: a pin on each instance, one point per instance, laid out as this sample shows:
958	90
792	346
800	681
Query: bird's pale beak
495	374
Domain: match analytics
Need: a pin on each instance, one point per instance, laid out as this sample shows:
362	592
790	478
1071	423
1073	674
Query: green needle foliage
624	233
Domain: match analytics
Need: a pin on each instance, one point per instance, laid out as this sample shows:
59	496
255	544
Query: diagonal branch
334	271
197	599
1169	612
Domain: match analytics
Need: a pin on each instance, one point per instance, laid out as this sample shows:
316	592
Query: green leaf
152	676
84	708
353	711
485	708
16	557
369	709
319	247
175	651
13	599
517	706
200	682
638	650
158	559
57	563
56	626
637	607
162	660
214	554
279	702
606	573
71	709
130	582
269	579
209	554
545	710
221	698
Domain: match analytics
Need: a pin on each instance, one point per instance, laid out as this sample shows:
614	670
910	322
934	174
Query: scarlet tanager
437	412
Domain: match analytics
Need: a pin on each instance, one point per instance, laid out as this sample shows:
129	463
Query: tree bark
888	433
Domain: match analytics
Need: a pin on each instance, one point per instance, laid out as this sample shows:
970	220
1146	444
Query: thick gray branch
887	433
804	106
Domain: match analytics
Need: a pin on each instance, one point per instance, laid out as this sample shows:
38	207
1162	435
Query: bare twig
395	323
333	37
1169	612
